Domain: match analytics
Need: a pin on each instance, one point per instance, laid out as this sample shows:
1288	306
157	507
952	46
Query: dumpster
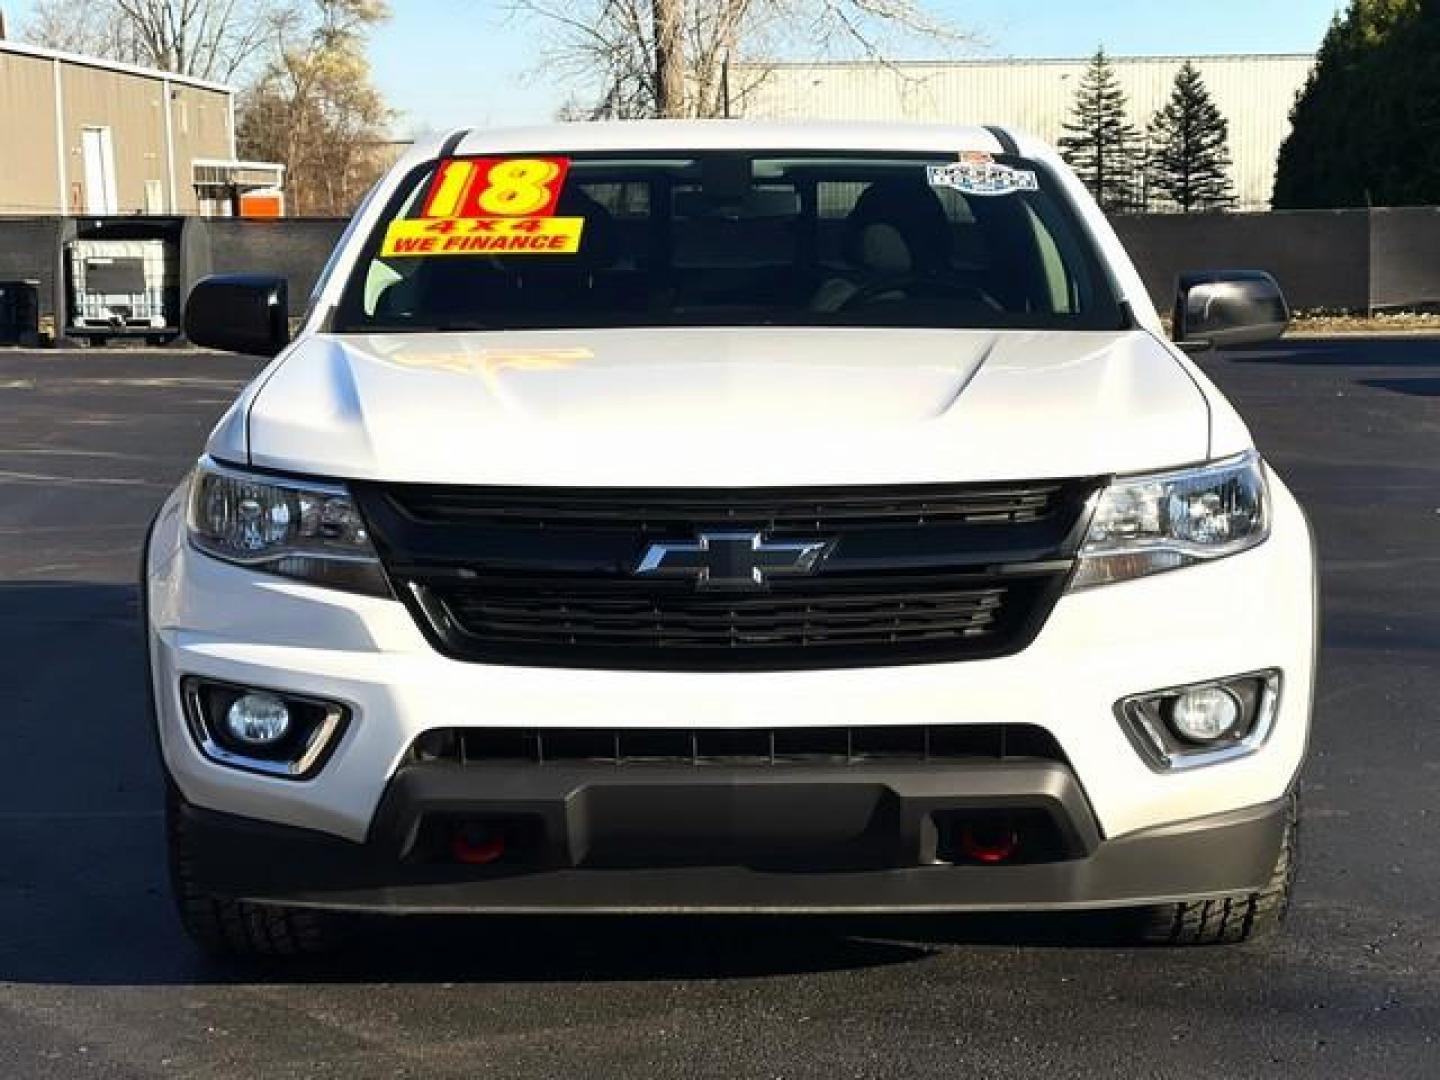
123	288
20	312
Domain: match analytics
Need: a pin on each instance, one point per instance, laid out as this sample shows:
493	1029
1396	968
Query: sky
443	76
447	63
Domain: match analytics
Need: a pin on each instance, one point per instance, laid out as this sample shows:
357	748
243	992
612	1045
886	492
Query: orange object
262	204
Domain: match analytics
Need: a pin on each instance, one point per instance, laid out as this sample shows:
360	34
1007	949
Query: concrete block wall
1322	259
1405	257
31	248
296	248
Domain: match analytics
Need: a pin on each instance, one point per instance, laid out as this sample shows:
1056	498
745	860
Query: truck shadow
616	949
1409	351
1421	387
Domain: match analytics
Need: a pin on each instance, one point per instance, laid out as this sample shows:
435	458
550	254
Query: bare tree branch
207	39
607	48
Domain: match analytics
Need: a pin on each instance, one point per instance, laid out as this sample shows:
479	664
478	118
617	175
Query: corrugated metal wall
200	121
131	104
29	181
134	111
1255	94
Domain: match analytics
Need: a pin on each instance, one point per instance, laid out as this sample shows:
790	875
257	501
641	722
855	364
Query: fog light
1203	723
257	720
274	732
1205	714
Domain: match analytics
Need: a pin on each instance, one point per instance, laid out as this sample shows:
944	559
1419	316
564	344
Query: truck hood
703	407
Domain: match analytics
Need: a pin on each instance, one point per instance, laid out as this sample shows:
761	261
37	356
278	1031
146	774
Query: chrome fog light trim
314	732
1148	721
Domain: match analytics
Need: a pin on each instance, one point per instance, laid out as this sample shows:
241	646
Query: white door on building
99	155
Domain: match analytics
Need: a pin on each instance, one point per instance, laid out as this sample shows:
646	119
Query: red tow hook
476	845
991	842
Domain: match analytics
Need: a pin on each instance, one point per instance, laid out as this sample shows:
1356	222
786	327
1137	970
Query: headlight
1146	524
294	528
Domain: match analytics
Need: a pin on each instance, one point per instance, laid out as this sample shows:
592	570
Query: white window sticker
974	176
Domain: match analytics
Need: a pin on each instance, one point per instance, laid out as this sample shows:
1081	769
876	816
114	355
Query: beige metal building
1254	93
79	135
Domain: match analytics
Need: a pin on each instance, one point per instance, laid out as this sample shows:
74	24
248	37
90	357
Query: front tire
227	928
1231	919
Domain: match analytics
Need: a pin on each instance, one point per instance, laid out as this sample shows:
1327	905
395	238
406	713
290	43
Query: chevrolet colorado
729	517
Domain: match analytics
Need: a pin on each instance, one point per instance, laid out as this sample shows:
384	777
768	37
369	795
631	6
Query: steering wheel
912	284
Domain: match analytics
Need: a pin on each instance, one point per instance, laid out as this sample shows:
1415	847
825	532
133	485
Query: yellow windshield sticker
483	236
489	206
496	187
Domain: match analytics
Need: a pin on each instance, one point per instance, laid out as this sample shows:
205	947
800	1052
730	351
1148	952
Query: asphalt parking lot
96	979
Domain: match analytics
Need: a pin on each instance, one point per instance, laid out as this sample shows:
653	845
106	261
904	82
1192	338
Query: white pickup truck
730	517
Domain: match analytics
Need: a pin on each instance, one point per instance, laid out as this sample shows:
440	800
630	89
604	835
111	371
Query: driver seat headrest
884	249
898	226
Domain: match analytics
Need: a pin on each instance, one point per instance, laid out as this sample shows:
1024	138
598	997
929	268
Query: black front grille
910	574
936	744
820	509
878	613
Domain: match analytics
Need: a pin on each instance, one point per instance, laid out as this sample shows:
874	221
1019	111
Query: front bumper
573	867
1250	612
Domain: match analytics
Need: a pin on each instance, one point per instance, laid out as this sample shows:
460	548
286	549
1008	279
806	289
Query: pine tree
1189	154
1100	142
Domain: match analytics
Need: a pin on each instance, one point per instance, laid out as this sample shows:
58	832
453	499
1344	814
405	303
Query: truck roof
686	135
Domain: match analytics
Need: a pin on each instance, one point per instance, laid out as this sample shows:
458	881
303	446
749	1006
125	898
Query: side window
1057	281
1062	262
623	200
834	200
388	279
329	268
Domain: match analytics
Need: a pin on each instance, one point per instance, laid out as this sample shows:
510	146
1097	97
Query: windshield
732	239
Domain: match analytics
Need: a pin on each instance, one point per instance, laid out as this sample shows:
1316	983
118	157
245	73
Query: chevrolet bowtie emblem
732	560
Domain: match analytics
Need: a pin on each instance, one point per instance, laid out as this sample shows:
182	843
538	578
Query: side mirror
1228	307
243	313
